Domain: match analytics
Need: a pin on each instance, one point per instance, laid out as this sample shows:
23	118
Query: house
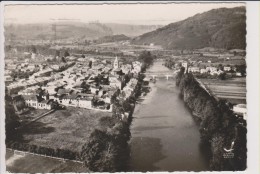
211	69
45	95
34	90
11	67
51	90
85	102
8	79
124	116
238	74
115	82
46	104
137	66
57	76
70	100
146	81
63	91
240	109
217	72
37	102
55	67
227	68
8	72
193	69
94	89
203	71
45	72
31	67
31	100
185	65
126	68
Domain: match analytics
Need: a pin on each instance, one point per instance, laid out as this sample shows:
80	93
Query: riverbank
219	126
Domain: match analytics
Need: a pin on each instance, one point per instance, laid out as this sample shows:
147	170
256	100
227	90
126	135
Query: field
233	90
32	114
28	163
64	129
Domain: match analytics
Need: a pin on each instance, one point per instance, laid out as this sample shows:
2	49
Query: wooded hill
219	28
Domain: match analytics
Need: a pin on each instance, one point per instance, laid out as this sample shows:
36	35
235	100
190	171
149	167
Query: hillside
64	30
113	38
131	30
220	28
74	30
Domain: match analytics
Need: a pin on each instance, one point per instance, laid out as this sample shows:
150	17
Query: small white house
203	71
193	69
227	68
241	110
238	74
85	103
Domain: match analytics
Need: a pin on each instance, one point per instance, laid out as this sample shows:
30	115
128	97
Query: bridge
166	74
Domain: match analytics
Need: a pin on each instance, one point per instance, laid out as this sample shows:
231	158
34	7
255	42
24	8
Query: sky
146	14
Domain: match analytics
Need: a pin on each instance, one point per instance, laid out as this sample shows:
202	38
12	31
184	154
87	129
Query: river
165	136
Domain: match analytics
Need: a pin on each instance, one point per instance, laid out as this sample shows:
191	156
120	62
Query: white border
253	64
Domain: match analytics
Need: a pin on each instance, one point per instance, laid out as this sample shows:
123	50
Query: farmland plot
233	90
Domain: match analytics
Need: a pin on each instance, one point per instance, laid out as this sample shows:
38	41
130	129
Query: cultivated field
28	163
65	129
233	90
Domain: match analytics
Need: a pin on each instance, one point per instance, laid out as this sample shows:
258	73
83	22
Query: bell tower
116	63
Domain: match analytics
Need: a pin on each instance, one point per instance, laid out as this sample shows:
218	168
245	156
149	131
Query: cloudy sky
117	13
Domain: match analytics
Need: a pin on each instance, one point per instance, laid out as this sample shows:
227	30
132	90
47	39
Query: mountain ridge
77	30
220	28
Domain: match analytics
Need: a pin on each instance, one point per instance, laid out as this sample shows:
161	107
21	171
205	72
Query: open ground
65	129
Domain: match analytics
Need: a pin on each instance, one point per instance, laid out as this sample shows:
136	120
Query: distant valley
75	30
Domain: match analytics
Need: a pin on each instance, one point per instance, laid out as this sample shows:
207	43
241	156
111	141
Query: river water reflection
165	137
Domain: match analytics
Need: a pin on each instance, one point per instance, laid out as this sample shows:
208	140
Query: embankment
219	127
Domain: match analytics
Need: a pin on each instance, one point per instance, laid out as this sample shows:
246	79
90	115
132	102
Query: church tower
116	63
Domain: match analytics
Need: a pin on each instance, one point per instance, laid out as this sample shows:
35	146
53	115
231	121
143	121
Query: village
89	81
82	83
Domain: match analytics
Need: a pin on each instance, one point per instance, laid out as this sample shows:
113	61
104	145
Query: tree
57	53
63	60
217	144
90	64
11	121
241	69
98	153
147	58
33	48
66	53
220	66
107	122
222	76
